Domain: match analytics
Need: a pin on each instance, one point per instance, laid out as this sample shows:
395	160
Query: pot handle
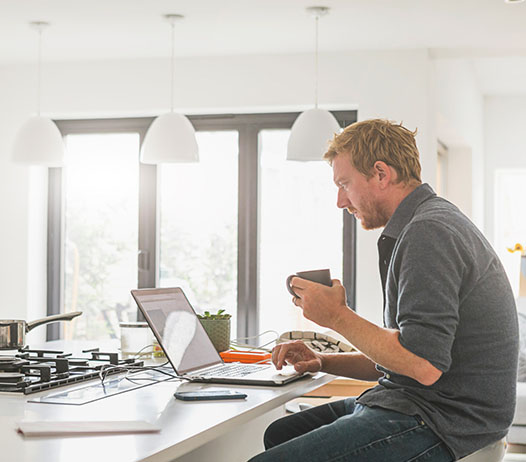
54	318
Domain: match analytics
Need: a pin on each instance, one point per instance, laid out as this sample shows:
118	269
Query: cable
103	372
139	353
105	369
257	336
234	342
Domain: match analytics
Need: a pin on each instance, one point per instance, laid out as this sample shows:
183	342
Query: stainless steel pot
13	331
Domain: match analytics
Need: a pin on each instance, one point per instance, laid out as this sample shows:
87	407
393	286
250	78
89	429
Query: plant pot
219	332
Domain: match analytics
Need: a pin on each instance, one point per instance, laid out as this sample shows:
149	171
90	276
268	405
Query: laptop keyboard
232	370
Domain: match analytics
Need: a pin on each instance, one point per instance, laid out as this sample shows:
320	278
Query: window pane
510	220
198	231
300	229
101	232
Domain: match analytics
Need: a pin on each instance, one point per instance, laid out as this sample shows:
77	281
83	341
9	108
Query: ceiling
485	31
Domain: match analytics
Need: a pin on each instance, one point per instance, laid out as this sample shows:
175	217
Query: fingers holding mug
297	283
289	286
294	282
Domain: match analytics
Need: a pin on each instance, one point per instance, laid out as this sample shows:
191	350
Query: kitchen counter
185	425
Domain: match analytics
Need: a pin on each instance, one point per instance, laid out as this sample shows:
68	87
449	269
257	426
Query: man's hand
297	354
321	304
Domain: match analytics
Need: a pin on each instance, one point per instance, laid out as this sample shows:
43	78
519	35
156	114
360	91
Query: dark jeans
347	431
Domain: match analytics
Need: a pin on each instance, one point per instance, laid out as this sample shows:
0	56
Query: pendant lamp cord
172	96
39	68
316	65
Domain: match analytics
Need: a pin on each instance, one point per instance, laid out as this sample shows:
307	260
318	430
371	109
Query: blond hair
372	140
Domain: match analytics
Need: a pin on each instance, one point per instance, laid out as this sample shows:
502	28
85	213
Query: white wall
14	194
505	141
390	84
460	125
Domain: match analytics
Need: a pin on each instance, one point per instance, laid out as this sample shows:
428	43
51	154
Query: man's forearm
354	365
382	347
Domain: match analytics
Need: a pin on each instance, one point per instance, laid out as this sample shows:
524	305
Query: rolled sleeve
423	286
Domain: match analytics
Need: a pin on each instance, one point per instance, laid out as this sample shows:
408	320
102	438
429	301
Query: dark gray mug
322	276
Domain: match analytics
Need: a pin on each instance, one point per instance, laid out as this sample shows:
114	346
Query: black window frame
248	127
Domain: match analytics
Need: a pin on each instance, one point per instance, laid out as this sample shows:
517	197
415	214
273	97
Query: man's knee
273	435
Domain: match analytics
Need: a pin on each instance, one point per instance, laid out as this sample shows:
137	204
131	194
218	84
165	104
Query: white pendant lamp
39	141
313	129
171	136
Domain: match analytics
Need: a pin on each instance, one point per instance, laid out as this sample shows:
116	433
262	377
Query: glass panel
198	224
101	233
510	221
300	229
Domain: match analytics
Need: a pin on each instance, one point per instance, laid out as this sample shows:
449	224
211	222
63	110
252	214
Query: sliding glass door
100	232
227	229
198	224
300	229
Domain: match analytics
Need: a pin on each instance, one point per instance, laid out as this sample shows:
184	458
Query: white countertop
185	425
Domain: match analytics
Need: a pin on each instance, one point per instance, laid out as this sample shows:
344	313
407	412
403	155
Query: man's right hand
298	355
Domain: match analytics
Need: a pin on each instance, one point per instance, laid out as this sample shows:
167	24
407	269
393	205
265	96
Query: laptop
188	347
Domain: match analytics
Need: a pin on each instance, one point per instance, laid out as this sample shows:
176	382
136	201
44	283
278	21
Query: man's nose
342	202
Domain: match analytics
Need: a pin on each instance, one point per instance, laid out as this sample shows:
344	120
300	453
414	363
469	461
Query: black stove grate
38	370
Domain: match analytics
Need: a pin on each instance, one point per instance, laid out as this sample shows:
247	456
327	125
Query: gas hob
30	371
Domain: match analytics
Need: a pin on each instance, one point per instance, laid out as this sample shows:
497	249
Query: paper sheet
79	428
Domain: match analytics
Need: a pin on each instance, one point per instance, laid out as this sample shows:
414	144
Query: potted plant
217	326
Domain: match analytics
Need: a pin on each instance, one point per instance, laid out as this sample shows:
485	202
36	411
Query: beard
371	216
373	222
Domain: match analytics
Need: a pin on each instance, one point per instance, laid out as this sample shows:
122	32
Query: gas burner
11	377
30	370
12	364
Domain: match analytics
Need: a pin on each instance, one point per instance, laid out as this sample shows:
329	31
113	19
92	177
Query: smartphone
208	395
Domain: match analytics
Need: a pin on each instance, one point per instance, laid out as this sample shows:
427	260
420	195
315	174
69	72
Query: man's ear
383	172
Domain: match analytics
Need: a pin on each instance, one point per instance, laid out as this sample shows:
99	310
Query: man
446	358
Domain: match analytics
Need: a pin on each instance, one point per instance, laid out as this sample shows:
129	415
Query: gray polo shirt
448	295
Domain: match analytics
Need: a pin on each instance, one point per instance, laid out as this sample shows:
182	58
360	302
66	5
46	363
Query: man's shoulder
438	206
438	224
441	215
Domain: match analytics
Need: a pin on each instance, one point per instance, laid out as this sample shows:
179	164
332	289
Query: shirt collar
405	211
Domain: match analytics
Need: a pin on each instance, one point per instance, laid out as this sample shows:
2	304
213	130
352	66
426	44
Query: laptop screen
177	328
